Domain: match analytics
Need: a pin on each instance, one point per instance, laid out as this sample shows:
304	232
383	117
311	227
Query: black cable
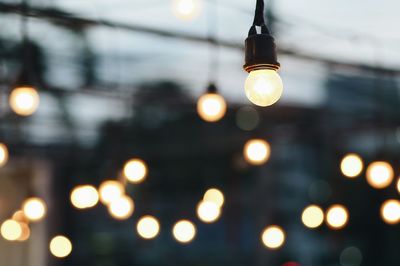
213	45
259	14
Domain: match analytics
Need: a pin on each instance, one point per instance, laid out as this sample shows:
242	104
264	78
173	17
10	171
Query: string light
148	227
34	209
380	174
19	216
3	154
110	190
312	216
351	165
273	237
263	86
121	208
25	232
215	196
211	106
135	170
390	211
186	9
337	217
24	101
11	230
257	151
60	246
398	185
84	197
184	231
208	211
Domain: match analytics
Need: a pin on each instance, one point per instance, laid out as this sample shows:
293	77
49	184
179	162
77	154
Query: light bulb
34	209
398	185
60	246
257	151
351	165
11	230
184	231
110	190
390	211
312	216
122	208
148	227
380	174
84	197
135	170
3	154
208	211
263	87
215	196
25	232
273	237
20	217
211	107
337	217
186	9
24	100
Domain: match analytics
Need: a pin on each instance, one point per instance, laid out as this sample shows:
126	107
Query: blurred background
108	159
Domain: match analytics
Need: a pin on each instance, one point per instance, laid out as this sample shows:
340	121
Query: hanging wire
213	49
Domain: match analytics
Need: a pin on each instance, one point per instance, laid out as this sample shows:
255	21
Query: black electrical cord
259	19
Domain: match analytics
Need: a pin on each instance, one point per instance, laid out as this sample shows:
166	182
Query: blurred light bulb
135	170
337	217
208	211
110	190
60	246
211	107
257	151
84	197
25	232
263	87
34	209
398	185
148	227
11	230
186	9
121	208
380	174
215	196
184	231
351	165
19	216
390	211
3	154
273	237
24	100
313	216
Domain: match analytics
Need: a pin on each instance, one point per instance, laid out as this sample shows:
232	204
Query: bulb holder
24	79
260	53
212	88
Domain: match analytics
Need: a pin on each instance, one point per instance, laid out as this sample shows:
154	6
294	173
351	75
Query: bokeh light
135	170
312	216
19	216
351	165
60	246
337	217
110	190
380	174
208	211
398	186
84	197
351	256
121	208
184	231
3	154
34	209
148	227
24	100
211	107
247	118
11	230
186	9
273	237
390	211
25	232
257	151
214	195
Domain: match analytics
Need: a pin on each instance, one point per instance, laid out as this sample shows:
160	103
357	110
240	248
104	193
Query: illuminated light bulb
257	151
186	9
110	191
19	216
273	237
398	185
390	211
208	211
34	209
135	170
84	197
3	154
122	208
263	87
60	246
380	174
337	217
351	165
211	107
25	232
184	231
24	100
215	196
11	230
148	227
312	217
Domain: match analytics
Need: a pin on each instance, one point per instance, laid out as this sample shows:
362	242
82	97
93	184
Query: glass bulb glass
148	227
312	216
24	100
60	246
184	231
257	151
351	165
380	174
263	87
390	211
211	107
111	190
122	208
337	217
34	209
208	211
3	154
84	197
215	196
135	171
273	237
